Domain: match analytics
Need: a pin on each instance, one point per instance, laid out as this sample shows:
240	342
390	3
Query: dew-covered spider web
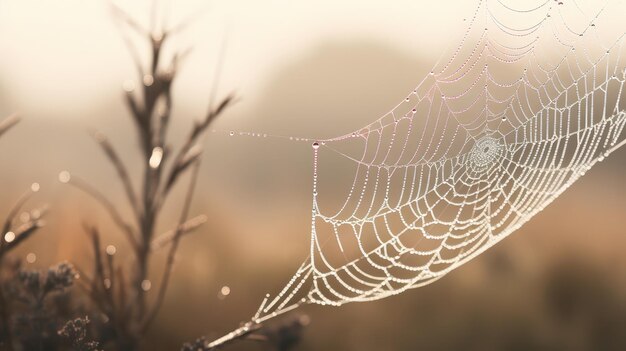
530	100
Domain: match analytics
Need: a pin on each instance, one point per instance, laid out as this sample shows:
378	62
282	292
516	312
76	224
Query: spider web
529	101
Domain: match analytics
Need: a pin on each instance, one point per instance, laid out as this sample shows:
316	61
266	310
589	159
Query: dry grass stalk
13	234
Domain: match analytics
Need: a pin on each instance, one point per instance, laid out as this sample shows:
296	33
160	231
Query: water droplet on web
316	145
232	133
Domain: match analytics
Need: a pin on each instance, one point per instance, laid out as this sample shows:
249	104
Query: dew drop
316	145
31	258
64	177
156	157
146	285
148	80
9	237
111	250
128	86
232	133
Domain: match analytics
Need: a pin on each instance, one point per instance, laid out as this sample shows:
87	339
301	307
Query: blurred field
559	283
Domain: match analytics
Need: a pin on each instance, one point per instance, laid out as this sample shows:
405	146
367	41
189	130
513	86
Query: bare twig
187	227
8	123
171	256
108	206
10	238
109	150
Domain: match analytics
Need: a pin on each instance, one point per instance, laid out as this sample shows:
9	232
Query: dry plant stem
8	123
171	256
109	150
20	233
123	298
188	227
4	314
108	206
249	327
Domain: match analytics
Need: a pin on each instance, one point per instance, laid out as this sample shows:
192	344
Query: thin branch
16	209
186	228
196	132
8	123
129	20
169	265
108	206
187	22
122	173
248	328
22	233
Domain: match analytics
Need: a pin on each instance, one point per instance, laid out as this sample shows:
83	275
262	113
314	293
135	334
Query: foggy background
304	69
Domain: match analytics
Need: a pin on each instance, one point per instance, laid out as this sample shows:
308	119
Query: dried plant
40	298
75	331
122	298
17	228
